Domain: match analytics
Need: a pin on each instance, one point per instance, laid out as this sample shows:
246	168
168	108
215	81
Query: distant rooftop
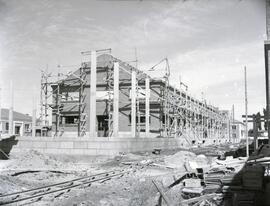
17	116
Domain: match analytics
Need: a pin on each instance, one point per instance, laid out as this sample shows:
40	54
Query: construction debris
233	181
170	178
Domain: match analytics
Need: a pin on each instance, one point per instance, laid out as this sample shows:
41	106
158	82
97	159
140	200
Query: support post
174	116
93	78
175	127
10	116
46	115
57	124
267	79
147	107
1	125
133	103
267	73
246	110
255	132
42	99
116	99
34	118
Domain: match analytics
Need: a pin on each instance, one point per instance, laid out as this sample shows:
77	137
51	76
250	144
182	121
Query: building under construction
108	97
108	106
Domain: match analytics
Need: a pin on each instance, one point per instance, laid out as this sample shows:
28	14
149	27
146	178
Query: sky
207	42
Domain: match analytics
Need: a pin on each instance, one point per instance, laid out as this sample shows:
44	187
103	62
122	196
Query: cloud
207	43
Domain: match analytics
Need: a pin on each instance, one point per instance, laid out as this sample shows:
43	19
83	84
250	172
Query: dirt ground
33	169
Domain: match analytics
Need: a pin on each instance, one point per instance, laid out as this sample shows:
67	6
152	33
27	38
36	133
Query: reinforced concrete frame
183	114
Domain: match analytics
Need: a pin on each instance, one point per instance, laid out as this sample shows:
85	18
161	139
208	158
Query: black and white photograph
135	102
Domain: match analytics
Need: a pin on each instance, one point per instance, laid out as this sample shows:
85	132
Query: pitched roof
17	116
107	61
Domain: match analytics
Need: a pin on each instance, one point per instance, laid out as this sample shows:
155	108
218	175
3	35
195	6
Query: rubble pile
166	177
34	160
215	182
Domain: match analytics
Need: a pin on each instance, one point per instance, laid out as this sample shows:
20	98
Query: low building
237	130
22	123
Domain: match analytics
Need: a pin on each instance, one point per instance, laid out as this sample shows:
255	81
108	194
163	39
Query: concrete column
147	107
116	99
10	116
133	103
93	82
34	113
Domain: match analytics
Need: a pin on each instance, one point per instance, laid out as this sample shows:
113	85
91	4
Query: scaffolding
181	115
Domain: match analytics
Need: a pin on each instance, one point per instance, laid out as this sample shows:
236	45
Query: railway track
36	194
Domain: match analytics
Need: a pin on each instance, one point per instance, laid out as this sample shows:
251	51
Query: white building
237	131
21	123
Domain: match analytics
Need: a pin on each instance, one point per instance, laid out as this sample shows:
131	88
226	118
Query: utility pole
233	115
246	112
34	117
10	117
232	123
267	74
41	99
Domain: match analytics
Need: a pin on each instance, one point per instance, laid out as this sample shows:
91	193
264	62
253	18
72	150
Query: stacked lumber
234	181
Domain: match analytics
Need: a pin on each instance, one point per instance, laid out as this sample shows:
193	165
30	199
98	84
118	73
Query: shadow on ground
6	146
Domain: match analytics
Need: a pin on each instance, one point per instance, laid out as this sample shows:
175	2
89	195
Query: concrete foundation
101	145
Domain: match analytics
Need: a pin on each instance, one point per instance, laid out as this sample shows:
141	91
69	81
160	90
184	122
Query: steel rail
107	177
58	184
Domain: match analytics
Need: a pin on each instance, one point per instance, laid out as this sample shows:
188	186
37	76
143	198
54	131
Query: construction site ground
33	169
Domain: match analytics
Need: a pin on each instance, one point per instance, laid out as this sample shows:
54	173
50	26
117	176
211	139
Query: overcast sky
207	42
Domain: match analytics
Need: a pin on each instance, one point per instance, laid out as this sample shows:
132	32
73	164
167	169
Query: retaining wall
99	146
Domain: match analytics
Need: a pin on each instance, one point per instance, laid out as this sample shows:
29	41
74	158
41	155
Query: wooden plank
162	193
197	199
